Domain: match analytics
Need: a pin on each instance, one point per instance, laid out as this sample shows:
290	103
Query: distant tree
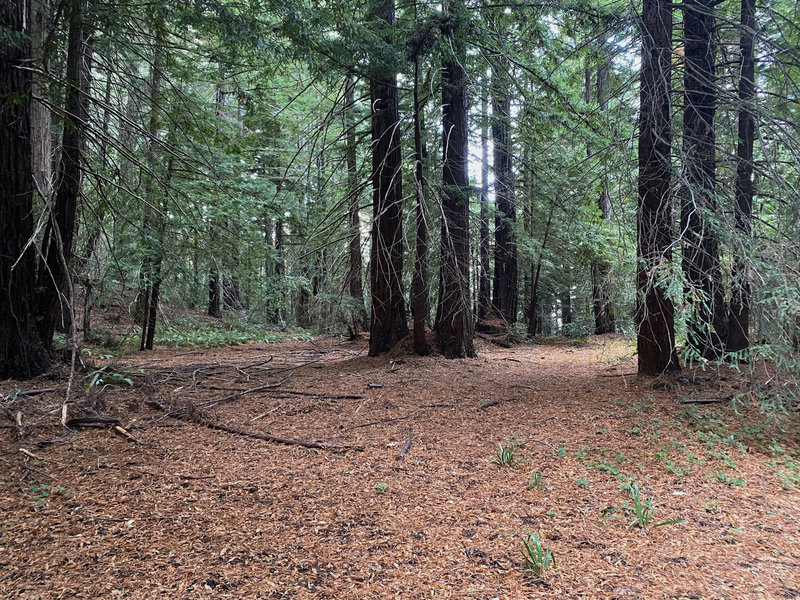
738	337
655	313
504	301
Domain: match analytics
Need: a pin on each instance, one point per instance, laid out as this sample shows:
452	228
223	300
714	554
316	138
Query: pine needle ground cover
180	510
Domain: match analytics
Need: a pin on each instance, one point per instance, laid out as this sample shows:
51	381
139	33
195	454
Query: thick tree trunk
419	284
52	278
388	322
454	327
706	328
22	355
738	337
485	279
505	298
354	280
655	314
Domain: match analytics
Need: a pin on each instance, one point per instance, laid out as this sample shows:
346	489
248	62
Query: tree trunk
52	278
484	282
419	284
706	327
41	138
153	224
655	314
601	271
214	293
505	298
454	327
738	337
388	322
354	280
22	355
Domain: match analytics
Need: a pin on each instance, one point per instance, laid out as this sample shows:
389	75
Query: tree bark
354	280
655	313
454	327
388	322
22	355
505	298
738	338
484	281
706	327
601	271
419	284
57	242
41	137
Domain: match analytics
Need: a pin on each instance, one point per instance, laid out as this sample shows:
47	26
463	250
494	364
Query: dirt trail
197	513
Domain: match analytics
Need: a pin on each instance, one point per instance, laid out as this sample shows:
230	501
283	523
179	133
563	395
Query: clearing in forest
172	508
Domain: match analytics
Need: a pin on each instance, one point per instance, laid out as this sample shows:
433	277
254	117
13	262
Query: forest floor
175	509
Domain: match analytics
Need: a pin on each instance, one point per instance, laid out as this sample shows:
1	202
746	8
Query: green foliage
535	482
729	479
381	487
108	376
42	492
207	333
505	455
537	560
641	509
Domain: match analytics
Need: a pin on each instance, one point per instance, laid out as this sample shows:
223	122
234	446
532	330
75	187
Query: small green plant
381	487
537	559
725	478
642	509
561	451
42	492
108	376
536	482
505	455
583	482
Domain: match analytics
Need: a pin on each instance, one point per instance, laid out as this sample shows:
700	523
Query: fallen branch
315	395
406	446
83	422
19	393
281	440
618	374
486	405
711	400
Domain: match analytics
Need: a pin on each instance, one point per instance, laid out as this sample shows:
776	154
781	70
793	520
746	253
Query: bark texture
388	322
655	313
454	326
738	337
22	355
706	328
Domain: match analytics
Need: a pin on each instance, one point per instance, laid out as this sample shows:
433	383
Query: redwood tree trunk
52	277
354	281
454	327
601	271
484	281
655	314
739	317
388	322
505	298
706	328
22	355
419	283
